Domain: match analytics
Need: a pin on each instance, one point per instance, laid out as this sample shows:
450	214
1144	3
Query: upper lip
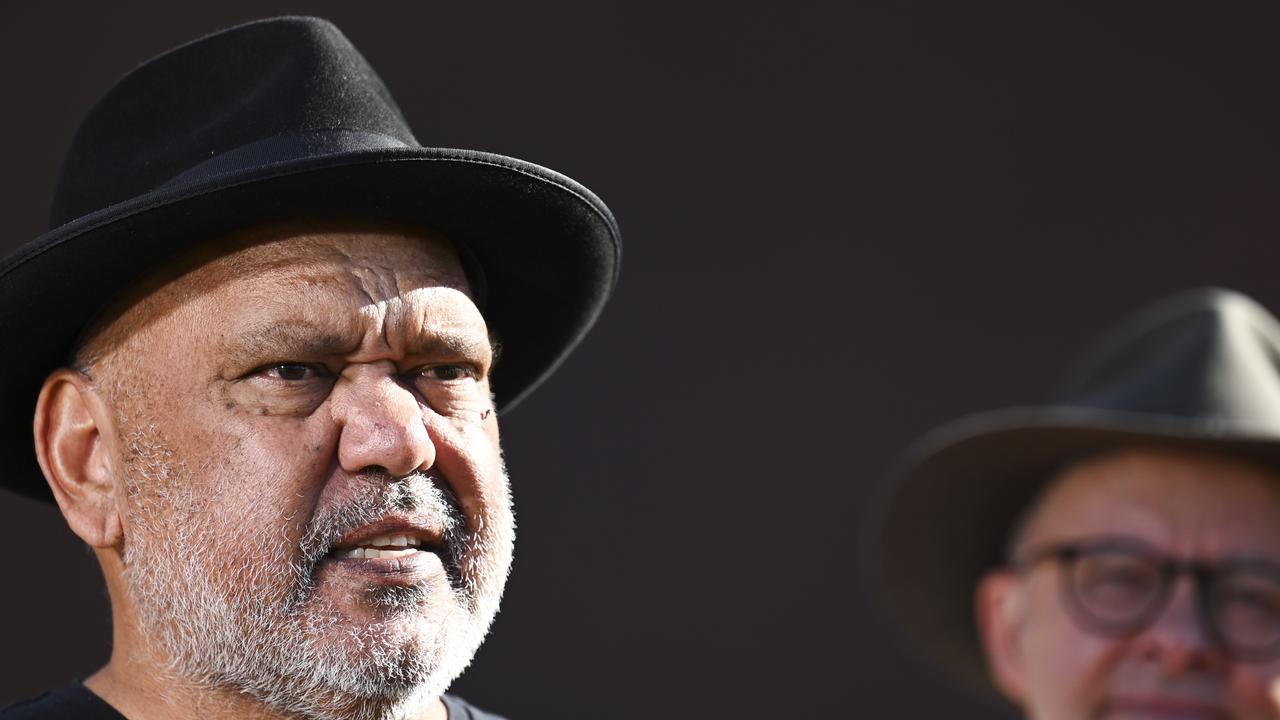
427	534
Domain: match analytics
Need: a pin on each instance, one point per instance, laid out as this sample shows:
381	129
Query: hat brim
945	515
548	247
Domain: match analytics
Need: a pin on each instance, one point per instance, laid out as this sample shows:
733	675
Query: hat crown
256	81
1210	356
280	120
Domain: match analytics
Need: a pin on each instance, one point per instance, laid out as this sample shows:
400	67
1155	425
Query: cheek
1255	690
285	466
1069	670
469	456
265	474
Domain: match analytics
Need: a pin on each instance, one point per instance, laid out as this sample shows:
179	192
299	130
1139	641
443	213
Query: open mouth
399	549
389	538
382	546
1163	707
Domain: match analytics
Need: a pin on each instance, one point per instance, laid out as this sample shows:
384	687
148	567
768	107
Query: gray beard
248	620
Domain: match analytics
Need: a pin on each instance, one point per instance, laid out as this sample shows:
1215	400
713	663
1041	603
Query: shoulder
71	701
460	709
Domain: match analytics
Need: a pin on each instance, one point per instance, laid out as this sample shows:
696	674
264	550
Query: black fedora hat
1200	370
275	120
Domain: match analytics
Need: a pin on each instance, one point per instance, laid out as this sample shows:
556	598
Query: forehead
1191	503
420	258
283	262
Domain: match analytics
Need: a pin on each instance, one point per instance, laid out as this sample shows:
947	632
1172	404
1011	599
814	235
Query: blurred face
1124	514
316	511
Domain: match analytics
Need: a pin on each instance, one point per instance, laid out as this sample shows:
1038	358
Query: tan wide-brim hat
1198	370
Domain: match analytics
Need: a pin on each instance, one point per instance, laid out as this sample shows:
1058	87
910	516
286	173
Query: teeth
383	546
374	553
397	541
389	553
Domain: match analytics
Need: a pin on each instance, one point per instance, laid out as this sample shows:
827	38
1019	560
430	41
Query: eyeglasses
1118	587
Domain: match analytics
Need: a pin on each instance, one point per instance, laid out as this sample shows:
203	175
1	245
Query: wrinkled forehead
1193	501
418	258
382	260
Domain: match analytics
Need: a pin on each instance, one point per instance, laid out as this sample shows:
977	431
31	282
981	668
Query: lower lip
403	570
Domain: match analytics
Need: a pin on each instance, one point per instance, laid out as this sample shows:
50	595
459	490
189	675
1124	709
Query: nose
1177	639
381	422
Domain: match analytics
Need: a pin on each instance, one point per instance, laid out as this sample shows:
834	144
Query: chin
397	644
361	671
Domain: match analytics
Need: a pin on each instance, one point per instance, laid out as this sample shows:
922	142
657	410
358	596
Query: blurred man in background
1115	554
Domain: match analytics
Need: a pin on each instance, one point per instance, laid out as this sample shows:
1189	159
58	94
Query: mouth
390	539
1163	708
382	546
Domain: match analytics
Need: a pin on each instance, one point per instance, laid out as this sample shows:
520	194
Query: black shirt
76	701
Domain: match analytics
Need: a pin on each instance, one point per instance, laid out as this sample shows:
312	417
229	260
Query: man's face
315	506
1184	506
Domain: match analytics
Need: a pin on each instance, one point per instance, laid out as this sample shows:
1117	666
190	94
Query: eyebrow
1254	563
280	340
1134	543
450	342
270	340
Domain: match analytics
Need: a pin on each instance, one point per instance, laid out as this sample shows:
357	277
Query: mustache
418	493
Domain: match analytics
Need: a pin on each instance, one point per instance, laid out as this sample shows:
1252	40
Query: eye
448	373
290	372
1248	607
1115	585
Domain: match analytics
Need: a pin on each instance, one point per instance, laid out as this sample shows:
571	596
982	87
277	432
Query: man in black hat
260	342
1115	554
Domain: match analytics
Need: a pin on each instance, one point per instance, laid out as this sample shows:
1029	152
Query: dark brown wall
841	229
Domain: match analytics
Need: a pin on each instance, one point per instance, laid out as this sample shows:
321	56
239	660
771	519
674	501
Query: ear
1000	607
70	423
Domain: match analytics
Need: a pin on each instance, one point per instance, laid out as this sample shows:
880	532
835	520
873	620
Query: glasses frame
1204	576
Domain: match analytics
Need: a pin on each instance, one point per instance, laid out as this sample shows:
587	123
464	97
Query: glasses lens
1246	606
1116	588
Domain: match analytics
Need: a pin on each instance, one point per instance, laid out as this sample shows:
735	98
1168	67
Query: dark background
842	228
